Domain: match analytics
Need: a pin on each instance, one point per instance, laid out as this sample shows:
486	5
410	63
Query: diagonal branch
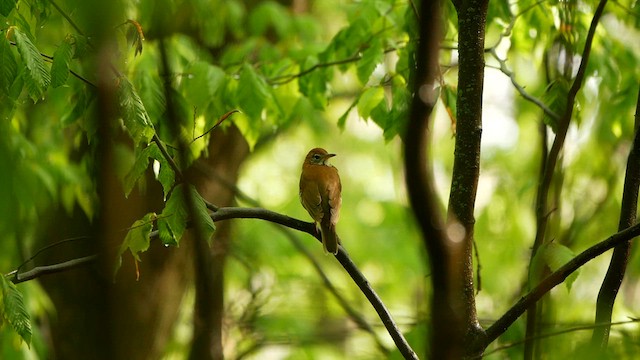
557	277
512	76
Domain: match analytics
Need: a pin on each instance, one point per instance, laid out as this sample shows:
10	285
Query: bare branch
38	271
512	76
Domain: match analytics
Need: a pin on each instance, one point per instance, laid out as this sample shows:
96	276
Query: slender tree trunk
466	166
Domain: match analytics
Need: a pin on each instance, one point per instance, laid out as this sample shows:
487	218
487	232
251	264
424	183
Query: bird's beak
325	159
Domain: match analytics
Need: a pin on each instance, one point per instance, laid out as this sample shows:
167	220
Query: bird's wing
334	197
311	200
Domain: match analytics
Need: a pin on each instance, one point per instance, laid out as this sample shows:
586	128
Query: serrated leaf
135	117
348	40
61	58
203	220
369	99
173	220
371	57
137	240
252	93
151	92
166	175
8	65
6	6
38	77
14	311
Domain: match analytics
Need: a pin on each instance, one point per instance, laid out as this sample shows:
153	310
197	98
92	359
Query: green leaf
369	99
314	84
61	59
16	88
82	101
252	93
348	41
555	97
8	65
342	121
556	256
6	6
371	57
13	310
449	97
137	240
38	77
166	175
151	92
202	83
203	220
552	256
173	220
135	117
267	15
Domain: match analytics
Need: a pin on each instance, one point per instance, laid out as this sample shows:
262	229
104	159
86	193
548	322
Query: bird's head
318	156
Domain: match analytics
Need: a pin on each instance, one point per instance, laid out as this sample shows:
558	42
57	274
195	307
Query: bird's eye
316	156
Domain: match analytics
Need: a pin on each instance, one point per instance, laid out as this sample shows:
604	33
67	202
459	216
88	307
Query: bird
321	195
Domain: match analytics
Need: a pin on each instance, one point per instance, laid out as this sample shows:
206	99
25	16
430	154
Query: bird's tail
330	238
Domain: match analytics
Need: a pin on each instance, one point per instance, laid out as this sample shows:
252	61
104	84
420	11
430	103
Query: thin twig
283	79
505	70
67	17
39	271
220	120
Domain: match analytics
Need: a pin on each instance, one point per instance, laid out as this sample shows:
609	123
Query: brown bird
320	194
